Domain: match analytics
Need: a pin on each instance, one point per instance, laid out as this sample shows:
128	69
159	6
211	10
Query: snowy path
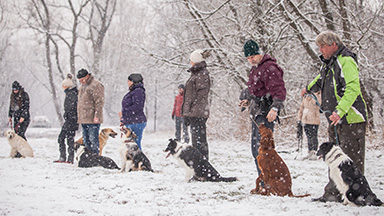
36	186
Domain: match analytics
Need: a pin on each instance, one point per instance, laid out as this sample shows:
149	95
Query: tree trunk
327	15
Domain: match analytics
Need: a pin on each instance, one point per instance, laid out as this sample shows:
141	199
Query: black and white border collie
196	165
132	158
86	158
349	180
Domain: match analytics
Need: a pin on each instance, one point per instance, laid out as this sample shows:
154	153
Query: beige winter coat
90	101
309	112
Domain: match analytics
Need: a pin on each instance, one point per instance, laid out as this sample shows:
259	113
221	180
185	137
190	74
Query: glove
173	117
299	130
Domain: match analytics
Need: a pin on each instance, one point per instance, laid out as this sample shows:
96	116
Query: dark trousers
69	135
351	139
180	122
91	136
21	128
311	133
255	140
199	135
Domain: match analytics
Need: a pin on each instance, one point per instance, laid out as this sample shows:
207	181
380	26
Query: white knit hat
197	56
67	82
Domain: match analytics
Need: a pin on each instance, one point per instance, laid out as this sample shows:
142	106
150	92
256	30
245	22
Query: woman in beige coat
309	117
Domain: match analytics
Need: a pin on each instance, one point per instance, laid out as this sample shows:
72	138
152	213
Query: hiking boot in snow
61	160
70	158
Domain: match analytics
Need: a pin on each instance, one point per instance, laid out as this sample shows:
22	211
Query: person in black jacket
19	109
70	125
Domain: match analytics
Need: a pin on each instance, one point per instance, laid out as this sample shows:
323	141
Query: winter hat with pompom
199	55
68	82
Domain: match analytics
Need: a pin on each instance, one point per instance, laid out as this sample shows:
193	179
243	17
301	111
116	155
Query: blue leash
324	111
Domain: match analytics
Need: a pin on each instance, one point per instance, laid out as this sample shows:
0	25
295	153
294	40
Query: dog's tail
227	179
298	196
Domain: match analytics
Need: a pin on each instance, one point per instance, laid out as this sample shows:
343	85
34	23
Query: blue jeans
255	140
138	130
91	136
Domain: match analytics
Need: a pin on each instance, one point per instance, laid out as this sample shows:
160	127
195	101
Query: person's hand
96	120
303	91
272	115
244	103
21	120
335	118
120	115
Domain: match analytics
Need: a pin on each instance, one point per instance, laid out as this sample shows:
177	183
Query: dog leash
313	96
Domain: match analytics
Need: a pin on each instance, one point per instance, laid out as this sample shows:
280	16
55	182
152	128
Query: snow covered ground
36	186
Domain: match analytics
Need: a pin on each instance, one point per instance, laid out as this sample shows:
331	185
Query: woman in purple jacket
132	112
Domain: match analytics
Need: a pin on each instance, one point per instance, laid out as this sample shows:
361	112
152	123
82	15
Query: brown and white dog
19	146
274	172
103	137
132	158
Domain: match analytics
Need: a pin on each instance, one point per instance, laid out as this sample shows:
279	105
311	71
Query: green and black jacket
340	87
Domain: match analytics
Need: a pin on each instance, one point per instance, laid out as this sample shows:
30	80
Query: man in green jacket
342	102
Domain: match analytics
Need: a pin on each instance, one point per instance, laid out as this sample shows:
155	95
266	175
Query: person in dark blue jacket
19	109
70	126
132	112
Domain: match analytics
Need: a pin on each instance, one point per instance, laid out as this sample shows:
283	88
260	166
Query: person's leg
352	142
71	143
311	133
22	128
185	131
202	137
93	131
178	128
61	141
199	138
138	130
85	132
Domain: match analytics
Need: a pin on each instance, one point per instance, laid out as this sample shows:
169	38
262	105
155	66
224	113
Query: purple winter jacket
133	105
267	79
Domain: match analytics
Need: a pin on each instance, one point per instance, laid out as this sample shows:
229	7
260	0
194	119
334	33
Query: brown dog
274	172
103	137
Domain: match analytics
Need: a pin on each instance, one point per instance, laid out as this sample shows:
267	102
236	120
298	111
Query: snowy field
36	186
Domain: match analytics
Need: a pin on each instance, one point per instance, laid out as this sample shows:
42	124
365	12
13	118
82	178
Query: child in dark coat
70	125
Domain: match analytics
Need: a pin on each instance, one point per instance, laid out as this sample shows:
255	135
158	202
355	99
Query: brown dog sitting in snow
274	172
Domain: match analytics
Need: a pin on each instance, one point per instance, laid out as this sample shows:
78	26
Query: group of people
337	87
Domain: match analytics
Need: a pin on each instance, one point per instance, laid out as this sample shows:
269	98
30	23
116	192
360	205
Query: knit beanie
136	78
16	85
181	86
251	48
67	82
82	73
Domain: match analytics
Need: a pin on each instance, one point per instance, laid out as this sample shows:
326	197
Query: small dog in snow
196	165
19	146
349	180
86	158
133	159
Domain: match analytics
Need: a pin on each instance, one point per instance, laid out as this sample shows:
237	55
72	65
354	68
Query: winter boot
61	160
70	157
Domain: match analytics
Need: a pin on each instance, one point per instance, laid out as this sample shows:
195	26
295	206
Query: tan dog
19	146
103	137
274	172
